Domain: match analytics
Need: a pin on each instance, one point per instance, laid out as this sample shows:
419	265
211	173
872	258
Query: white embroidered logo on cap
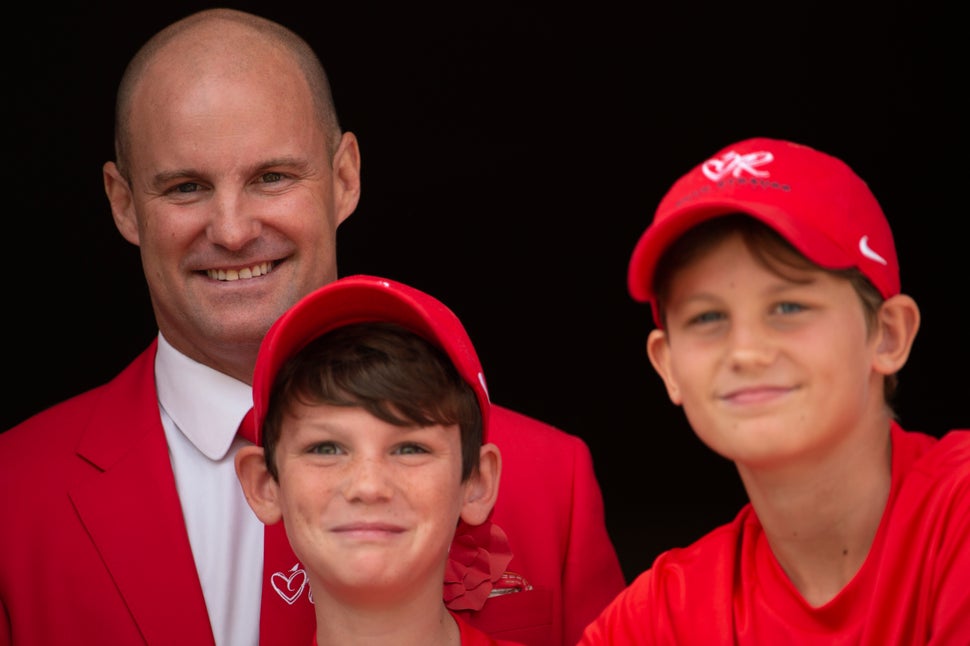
481	380
867	251
734	164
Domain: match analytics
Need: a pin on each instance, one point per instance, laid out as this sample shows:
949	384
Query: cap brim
659	236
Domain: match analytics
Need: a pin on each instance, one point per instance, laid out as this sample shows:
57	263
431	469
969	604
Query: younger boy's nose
367	481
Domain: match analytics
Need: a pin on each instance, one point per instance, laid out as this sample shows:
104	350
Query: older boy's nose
233	223
750	345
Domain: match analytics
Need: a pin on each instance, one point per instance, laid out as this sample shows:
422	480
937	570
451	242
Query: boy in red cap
371	416
772	276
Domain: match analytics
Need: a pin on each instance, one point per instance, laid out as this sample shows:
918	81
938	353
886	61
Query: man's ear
897	323
122	204
346	176
258	485
658	351
481	488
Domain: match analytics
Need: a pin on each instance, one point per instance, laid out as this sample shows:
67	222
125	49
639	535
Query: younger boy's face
368	506
769	370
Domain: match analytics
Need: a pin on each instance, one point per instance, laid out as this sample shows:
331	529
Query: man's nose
234	222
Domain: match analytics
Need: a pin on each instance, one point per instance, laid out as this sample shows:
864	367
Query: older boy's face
769	371
368	506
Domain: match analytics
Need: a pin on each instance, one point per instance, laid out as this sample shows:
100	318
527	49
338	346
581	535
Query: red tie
286	616
247	427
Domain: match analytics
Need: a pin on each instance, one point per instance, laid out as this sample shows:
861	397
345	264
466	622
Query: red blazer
94	549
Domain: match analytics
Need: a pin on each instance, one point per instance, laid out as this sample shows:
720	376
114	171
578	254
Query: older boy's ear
258	485
481	488
658	350
119	197
898	322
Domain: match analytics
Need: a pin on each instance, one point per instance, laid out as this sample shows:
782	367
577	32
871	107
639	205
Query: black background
511	158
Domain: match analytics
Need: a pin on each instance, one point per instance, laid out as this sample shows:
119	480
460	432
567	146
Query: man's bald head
220	41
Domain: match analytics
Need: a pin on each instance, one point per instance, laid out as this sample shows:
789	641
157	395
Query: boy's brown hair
383	368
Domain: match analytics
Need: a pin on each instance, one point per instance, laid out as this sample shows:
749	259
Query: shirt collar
205	404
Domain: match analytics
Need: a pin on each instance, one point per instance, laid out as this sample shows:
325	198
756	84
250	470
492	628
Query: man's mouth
255	271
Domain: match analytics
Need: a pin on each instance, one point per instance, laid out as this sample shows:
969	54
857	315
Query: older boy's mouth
756	394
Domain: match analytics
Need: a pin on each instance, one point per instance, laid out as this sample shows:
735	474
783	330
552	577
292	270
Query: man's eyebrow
165	177
286	160
161	180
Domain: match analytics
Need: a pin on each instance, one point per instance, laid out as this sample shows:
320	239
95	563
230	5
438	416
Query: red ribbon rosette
477	560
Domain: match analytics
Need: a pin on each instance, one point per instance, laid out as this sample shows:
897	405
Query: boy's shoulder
931	476
954	447
949	457
720	550
928	454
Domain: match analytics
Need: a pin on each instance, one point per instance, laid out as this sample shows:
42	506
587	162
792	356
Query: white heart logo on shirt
289	586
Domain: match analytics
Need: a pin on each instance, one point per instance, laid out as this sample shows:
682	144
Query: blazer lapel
131	509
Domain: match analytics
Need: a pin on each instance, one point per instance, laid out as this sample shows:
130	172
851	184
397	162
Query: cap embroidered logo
734	164
866	251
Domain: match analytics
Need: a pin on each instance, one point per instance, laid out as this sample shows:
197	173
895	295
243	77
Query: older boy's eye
706	317
789	308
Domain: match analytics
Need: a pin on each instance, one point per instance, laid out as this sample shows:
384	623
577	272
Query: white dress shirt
201	410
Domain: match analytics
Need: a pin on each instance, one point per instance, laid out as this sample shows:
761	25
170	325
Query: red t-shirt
912	589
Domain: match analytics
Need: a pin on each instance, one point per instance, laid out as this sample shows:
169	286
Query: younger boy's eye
325	448
411	449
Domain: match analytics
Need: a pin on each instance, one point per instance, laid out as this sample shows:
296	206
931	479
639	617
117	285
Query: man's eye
187	187
270	178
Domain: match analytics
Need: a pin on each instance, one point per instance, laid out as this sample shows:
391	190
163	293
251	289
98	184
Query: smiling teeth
235	274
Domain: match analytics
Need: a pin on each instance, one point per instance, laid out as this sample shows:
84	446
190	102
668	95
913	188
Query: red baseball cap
813	200
357	299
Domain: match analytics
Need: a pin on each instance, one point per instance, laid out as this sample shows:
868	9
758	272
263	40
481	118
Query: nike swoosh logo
868	252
